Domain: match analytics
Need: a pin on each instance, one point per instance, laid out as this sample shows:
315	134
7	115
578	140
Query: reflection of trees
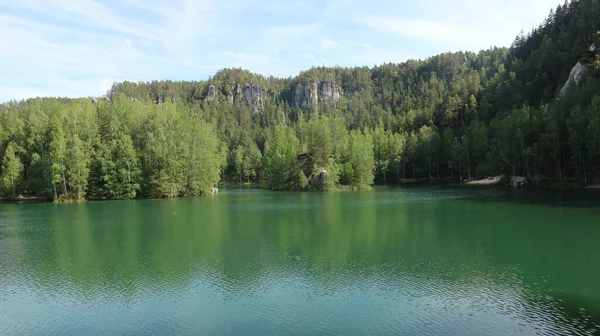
242	242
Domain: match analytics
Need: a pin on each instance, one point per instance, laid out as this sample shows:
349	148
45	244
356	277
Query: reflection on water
411	261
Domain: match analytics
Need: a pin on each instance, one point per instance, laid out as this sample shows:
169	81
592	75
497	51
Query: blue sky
73	48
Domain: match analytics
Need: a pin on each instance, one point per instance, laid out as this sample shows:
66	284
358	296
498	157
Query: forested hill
532	109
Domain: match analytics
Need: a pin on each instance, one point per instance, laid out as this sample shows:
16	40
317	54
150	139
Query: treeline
459	115
75	149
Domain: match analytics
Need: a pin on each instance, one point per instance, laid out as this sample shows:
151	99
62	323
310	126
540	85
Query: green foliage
359	164
279	162
11	169
319	140
463	114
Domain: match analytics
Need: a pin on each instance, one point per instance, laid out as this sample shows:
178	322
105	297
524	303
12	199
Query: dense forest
531	110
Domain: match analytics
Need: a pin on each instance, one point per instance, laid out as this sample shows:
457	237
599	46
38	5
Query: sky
78	48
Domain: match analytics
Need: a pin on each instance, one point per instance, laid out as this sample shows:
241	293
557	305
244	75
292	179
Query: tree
58	152
577	124
357	171
238	161
11	168
279	161
319	140
397	147
78	167
206	158
381	143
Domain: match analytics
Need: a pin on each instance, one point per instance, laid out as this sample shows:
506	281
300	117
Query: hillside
532	110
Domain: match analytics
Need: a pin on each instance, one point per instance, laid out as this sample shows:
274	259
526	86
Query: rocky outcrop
519	182
252	94
254	97
309	94
318	181
236	93
574	77
329	92
212	93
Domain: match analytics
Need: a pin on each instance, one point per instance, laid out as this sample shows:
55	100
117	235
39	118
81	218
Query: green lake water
393	261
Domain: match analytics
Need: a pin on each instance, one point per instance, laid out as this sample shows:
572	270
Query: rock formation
254	97
305	94
574	77
212	93
318	181
519	181
309	94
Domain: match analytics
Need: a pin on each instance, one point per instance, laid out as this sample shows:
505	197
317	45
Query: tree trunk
79	187
65	184
429	163
583	166
469	164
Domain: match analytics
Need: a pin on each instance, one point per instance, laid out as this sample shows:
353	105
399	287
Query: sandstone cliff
574	77
309	94
251	94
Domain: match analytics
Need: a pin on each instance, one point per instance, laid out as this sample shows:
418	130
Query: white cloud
79	47
328	44
465	24
453	35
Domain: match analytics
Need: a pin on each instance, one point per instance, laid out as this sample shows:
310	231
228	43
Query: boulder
519	181
318	180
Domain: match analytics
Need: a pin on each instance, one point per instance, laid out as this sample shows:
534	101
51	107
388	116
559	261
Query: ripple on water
350	264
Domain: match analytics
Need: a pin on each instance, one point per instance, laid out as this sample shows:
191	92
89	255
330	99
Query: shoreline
494	181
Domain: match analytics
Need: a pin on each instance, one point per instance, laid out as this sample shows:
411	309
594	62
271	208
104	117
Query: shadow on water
259	262
568	197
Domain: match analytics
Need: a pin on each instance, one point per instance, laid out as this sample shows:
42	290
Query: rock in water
519	181
318	181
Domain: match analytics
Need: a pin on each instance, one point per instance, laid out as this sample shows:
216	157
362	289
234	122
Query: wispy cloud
449	34
467	24
79	47
328	44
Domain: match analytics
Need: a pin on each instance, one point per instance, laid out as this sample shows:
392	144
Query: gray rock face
329	92
318	181
235	94
254	96
309	94
251	94
238	91
212	93
574	77
519	181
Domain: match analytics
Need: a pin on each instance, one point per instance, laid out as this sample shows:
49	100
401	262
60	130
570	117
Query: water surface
416	261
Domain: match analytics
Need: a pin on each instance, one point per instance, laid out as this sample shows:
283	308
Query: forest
531	109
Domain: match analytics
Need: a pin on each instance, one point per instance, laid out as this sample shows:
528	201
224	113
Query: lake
409	261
